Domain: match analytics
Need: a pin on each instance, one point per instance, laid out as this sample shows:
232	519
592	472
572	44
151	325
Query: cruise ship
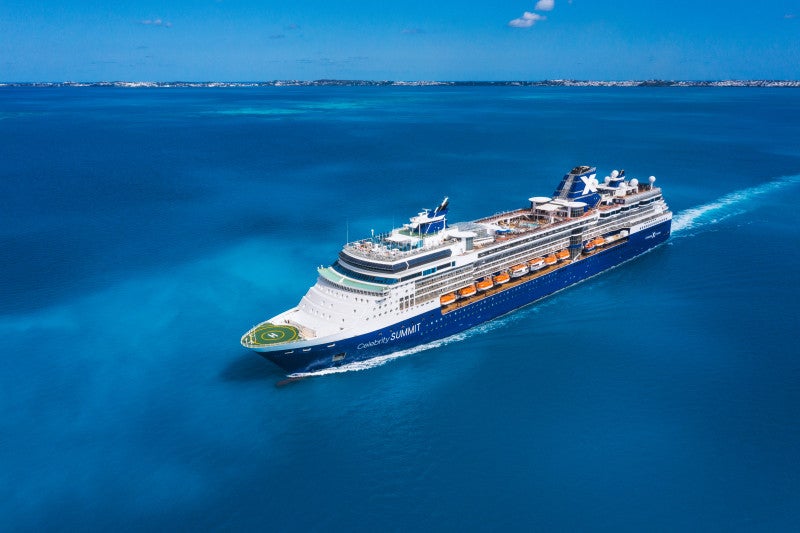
431	279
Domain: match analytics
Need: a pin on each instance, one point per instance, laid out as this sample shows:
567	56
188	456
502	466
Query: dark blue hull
435	325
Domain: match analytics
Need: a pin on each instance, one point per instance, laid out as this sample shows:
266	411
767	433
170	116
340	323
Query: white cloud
157	22
527	20
545	5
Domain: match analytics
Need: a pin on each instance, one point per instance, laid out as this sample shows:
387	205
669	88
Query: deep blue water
142	231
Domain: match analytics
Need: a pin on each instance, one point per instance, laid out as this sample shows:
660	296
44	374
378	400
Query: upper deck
579	197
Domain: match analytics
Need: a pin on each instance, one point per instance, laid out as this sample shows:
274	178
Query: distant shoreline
377	83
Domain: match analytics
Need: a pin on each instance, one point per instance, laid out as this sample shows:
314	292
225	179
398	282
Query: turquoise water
144	230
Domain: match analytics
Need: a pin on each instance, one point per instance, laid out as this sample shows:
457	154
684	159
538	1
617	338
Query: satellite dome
614	174
652	179
634	182
607	179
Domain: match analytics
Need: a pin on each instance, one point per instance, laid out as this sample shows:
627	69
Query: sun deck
388	251
381	248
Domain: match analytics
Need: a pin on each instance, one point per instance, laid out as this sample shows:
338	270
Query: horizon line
382	82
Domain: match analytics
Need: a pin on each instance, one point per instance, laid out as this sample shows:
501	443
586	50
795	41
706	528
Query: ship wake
732	204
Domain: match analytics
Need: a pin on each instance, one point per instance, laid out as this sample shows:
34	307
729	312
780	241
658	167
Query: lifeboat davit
519	270
447	299
501	278
562	254
467	291
536	264
484	284
550	260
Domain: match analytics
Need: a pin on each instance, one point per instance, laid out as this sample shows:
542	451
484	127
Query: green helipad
271	334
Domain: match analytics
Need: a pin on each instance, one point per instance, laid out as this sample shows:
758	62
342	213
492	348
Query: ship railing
502	215
380	251
249	338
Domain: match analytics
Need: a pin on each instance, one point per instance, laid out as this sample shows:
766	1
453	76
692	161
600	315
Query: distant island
383	83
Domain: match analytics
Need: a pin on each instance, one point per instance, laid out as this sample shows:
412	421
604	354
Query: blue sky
241	40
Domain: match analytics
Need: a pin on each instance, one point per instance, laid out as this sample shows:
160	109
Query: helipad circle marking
272	334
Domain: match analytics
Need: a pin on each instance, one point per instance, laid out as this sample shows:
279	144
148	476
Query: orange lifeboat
519	270
550	260
501	278
447	299
536	264
466	292
599	241
484	284
561	255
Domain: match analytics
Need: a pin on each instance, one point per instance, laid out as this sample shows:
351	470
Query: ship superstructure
429	279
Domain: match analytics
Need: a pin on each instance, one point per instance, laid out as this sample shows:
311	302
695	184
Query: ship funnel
579	185
427	222
442	209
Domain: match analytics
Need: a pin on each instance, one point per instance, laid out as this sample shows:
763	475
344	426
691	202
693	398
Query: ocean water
144	230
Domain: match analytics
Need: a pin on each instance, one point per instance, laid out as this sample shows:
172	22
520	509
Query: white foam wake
380	360
729	205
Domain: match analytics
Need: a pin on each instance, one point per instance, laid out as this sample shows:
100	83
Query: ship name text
393	336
